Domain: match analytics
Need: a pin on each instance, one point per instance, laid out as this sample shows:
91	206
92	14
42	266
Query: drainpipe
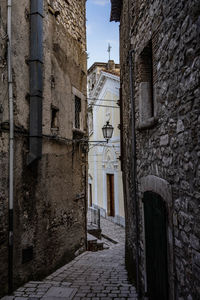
36	81
131	77
11	147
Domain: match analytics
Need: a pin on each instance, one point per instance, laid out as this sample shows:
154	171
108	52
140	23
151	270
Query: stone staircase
93	243
94	230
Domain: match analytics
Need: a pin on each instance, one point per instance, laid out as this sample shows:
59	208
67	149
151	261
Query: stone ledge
78	133
149	123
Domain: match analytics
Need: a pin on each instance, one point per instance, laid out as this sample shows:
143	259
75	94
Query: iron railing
94	216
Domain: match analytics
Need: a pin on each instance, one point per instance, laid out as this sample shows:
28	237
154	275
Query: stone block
178	243
180	127
58	293
164	140
194	242
184	237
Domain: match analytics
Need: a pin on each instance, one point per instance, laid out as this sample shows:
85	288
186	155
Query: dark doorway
90	194
110	195
156	246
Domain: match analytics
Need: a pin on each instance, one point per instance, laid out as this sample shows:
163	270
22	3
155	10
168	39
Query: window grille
77	111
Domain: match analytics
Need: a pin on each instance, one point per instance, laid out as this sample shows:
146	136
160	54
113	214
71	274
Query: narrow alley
99	149
91	275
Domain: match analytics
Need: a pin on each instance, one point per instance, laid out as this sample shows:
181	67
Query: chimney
111	65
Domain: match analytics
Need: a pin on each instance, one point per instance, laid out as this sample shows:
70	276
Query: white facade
105	178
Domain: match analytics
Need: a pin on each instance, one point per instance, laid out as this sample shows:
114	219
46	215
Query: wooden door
110	195
156	247
90	194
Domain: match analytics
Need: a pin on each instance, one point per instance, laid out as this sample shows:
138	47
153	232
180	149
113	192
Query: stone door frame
161	187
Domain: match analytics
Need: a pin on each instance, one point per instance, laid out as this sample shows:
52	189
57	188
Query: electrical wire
107	146
101	99
104	105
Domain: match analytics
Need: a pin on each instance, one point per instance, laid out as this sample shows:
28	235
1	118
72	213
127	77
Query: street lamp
107	131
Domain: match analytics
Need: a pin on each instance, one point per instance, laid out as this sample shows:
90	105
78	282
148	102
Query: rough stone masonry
164	37
49	194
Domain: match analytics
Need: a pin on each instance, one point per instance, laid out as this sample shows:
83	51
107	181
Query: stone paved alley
91	275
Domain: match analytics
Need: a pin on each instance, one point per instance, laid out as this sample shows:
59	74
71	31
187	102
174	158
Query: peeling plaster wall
49	195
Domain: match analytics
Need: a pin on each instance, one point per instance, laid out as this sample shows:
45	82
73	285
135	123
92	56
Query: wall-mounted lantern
107	131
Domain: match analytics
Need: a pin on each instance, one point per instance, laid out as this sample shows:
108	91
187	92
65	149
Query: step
94	230
91	238
94	244
100	245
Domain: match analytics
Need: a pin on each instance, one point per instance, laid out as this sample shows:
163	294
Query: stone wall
3	209
72	17
49	195
168	147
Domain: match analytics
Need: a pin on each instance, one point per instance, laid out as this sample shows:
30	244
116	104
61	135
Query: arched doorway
155	246
151	188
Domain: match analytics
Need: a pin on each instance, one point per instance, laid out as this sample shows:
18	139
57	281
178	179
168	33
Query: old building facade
48	89
159	59
104	174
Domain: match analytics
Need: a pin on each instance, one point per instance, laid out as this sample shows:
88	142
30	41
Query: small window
77	111
90	120
27	254
54	117
146	93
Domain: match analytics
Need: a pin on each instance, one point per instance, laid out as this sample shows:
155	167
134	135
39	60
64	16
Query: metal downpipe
36	80
134	163
11	146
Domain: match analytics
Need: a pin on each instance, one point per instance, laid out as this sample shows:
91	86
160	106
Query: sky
100	32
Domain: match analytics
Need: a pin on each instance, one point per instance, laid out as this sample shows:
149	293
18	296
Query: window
77	111
79	116
146	87
54	117
90	120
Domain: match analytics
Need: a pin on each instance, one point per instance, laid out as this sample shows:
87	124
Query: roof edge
100	64
115	13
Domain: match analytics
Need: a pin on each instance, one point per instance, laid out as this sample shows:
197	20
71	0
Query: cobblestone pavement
112	230
91	276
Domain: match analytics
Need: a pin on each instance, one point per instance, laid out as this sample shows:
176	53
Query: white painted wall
107	88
